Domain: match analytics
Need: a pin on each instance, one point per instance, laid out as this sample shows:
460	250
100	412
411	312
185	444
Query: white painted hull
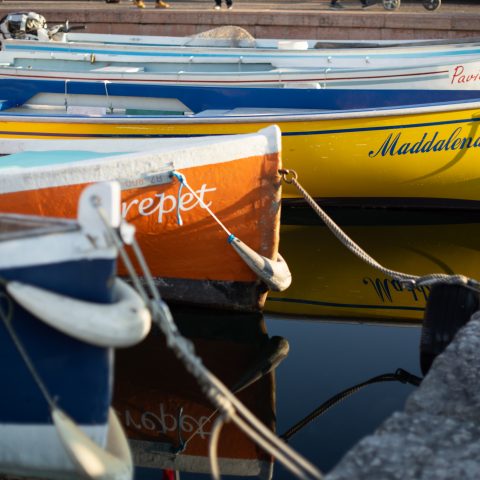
265	43
36	450
107	68
305	57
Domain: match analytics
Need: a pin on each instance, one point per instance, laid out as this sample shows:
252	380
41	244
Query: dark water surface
161	405
326	358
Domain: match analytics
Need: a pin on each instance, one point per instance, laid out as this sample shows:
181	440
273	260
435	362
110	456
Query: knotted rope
406	280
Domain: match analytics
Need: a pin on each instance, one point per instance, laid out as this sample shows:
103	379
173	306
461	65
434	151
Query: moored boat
55	415
193	205
235	36
135	98
278	53
74	67
419	155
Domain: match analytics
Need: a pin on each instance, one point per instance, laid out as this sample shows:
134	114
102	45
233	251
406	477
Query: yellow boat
331	282
410	156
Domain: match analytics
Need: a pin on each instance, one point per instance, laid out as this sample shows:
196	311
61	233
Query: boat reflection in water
162	407
330	281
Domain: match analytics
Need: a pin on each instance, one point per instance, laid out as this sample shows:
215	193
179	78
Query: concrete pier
437	436
268	19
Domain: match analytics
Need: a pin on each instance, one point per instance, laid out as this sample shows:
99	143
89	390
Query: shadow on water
344	324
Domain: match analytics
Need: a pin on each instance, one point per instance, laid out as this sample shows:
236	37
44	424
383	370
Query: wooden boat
422	155
234	36
44	65
282	53
330	282
162	407
57	382
153	99
190	204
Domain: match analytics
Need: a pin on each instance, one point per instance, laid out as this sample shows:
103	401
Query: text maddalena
428	142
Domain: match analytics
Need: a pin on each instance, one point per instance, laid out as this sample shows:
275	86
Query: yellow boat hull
424	156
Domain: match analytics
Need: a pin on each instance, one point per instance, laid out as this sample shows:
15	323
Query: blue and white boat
133	99
62	311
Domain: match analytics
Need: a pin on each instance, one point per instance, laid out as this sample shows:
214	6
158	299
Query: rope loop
181	178
288	176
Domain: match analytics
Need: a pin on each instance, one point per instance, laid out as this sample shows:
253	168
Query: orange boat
189	200
160	404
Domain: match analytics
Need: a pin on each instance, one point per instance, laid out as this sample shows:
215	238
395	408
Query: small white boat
103	67
244	49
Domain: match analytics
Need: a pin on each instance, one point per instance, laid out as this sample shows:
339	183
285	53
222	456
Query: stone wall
315	21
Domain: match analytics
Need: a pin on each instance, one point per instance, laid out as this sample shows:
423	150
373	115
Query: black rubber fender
449	307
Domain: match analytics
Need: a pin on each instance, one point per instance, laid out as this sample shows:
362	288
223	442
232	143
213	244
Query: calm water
324	358
161	404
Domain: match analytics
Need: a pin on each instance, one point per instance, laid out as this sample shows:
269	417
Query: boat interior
111	105
85	63
97	105
21	226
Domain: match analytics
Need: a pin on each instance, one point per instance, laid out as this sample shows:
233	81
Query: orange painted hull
192	262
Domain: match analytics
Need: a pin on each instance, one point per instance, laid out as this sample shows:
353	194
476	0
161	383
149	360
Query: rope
105	83
221	397
213	447
407	280
400	375
66	97
7	320
181	178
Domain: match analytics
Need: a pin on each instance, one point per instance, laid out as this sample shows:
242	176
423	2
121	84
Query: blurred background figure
158	4
218	4
336	5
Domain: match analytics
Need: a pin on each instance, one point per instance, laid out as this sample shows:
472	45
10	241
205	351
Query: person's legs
218	4
139	3
161	4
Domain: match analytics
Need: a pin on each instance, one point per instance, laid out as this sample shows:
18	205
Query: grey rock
437	436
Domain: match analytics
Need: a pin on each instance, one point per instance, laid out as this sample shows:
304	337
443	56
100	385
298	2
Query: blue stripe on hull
18	91
77	374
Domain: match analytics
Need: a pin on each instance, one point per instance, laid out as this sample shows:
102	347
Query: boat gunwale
248	52
419	109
